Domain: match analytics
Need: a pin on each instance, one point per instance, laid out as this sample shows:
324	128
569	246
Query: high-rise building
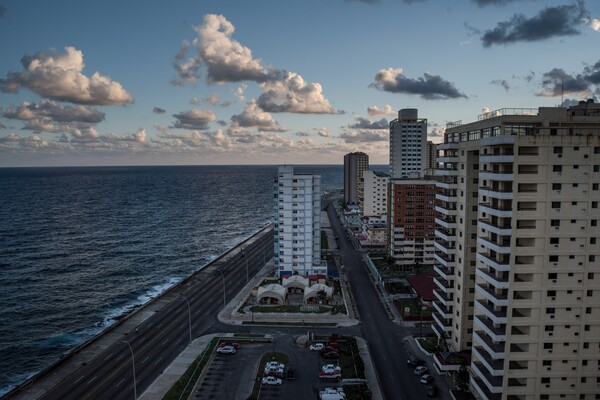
298	223
354	166
518	254
430	159
375	193
408	144
411	222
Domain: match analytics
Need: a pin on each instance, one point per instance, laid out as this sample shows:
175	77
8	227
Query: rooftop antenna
562	91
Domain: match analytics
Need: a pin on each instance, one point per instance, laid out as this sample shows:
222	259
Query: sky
209	82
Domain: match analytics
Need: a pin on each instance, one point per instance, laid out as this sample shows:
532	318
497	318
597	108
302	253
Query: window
556	204
552	275
557	168
548	346
550	310
558	150
556	186
554	240
555	222
551	293
553	258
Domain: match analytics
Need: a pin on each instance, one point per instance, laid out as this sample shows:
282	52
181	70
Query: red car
236	345
331	355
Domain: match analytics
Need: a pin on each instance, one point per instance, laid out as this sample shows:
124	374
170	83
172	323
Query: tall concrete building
518	254
375	193
430	159
354	166
298	223
408	144
411	222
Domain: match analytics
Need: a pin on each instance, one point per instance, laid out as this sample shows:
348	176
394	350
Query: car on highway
426	379
317	346
330	368
271	380
421	370
226	350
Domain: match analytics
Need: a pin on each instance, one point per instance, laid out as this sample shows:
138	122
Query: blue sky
270	82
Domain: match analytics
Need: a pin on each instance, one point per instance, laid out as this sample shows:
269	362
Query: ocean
81	246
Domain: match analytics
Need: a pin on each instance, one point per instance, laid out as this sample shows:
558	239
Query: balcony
500	176
447	195
439	332
498	317
443	298
498	299
493	367
443	259
445	234
445	247
497	264
442	323
493	384
445	312
446	172
501	248
446	209
446	222
447	184
503	230
497	334
495	350
444	272
496	158
482	390
495	193
504	212
498	283
443	285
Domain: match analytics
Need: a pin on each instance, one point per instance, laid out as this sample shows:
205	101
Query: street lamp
224	301
247	273
189	314
133	363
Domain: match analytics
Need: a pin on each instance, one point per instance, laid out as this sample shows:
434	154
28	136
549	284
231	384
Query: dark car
331	355
289	373
327	349
414	362
432	391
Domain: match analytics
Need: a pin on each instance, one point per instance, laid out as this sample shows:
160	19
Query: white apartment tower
298	223
408	144
375	193
518	251
354	166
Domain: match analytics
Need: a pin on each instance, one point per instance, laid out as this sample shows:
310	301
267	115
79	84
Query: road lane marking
165	341
121	381
177	342
157	361
142	339
108	356
161	324
78	379
145	359
92	380
121	356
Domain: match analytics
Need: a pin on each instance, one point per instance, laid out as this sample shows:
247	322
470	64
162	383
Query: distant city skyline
233	82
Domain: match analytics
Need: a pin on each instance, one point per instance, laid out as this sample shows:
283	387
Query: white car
421	370
226	350
331	369
271	380
317	346
274	365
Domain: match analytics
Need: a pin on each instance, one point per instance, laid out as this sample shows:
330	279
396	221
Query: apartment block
375	193
355	164
411	222
408	144
297	223
518	251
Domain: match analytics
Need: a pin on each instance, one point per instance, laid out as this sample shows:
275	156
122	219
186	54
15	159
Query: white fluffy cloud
254	117
59	76
375	111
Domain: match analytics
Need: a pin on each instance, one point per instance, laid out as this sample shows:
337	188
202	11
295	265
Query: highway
161	337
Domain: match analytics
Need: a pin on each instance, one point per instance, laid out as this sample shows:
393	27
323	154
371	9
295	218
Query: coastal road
161	337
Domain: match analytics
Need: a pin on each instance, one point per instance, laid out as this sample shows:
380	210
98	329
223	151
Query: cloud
557	82
293	95
2	10
212	99
361	136
550	22
430	87
592	73
2	126
226	61
158	110
323	132
483	3
594	23
436	133
374	111
254	117
364	123
501	82
58	76
194	119
363	1
302	134
239	92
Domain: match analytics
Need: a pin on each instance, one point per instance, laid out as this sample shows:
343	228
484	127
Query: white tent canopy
273	290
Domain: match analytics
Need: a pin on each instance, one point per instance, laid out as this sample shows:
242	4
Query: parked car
233	344
317	346
274	364
426	379
289	373
327	349
271	380
330	368
331	355
276	372
432	391
333	375
421	370
226	350
414	362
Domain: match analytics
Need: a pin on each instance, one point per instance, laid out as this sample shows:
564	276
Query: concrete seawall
79	356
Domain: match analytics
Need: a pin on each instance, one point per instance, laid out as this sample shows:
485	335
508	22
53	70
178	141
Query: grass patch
290	309
184	386
306	323
429	344
249	335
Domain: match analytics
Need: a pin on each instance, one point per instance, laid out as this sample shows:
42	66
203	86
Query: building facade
430	159
297	223
518	251
354	166
408	144
375	193
411	222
